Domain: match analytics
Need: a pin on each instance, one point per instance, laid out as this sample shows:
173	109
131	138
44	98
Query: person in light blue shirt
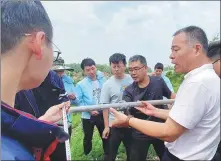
158	70
88	93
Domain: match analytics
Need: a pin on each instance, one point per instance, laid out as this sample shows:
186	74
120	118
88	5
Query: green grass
77	152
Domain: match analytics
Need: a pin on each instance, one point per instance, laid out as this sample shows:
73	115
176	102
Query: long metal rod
119	106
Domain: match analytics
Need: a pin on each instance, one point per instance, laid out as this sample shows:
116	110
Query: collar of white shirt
197	70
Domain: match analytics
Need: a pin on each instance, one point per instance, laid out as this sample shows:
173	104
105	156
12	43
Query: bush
176	79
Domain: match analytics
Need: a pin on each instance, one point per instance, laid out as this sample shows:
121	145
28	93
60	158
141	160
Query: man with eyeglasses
144	87
38	100
88	93
112	92
214	55
26	57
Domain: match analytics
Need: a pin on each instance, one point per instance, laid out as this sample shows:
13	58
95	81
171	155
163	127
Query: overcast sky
99	29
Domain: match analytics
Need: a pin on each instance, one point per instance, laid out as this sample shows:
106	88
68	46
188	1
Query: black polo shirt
155	90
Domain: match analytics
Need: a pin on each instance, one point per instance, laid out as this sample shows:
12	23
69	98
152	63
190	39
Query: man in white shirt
192	127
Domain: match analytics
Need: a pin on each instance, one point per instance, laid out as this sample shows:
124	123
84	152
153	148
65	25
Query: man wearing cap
59	67
69	87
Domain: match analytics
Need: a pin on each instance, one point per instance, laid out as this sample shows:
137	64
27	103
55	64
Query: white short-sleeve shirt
197	108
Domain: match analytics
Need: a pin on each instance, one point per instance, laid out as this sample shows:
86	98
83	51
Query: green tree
215	38
176	79
149	70
104	68
168	68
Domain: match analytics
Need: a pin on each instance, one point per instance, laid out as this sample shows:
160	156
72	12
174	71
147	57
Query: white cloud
98	29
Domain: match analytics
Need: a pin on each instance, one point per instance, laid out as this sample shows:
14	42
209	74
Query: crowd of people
31	106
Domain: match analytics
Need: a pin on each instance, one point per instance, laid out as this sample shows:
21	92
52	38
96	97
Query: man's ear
198	48
37	44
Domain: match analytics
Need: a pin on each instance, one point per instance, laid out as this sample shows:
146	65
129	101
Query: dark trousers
217	156
139	149
118	135
88	128
167	156
170	157
60	152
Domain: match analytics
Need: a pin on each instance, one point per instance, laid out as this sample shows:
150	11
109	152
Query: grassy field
97	150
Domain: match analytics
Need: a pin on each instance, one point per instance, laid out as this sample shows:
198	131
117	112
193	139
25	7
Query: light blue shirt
168	83
85	91
70	89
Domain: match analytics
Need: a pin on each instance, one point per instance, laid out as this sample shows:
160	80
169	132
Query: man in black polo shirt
144	87
38	100
52	92
214	55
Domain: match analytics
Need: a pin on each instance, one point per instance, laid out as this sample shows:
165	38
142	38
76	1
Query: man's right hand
147	108
106	133
54	113
94	113
72	96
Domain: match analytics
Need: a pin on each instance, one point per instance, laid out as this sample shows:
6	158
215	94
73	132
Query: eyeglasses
136	69
215	61
56	50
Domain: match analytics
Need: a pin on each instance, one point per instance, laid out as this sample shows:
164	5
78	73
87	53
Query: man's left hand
120	119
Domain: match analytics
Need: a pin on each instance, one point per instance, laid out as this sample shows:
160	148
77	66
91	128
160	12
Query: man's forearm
106	116
150	128
161	113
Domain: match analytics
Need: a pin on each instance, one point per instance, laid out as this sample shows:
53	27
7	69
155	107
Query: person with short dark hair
144	87
159	66
192	127
214	55
158	70
88	93
112	92
26	58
